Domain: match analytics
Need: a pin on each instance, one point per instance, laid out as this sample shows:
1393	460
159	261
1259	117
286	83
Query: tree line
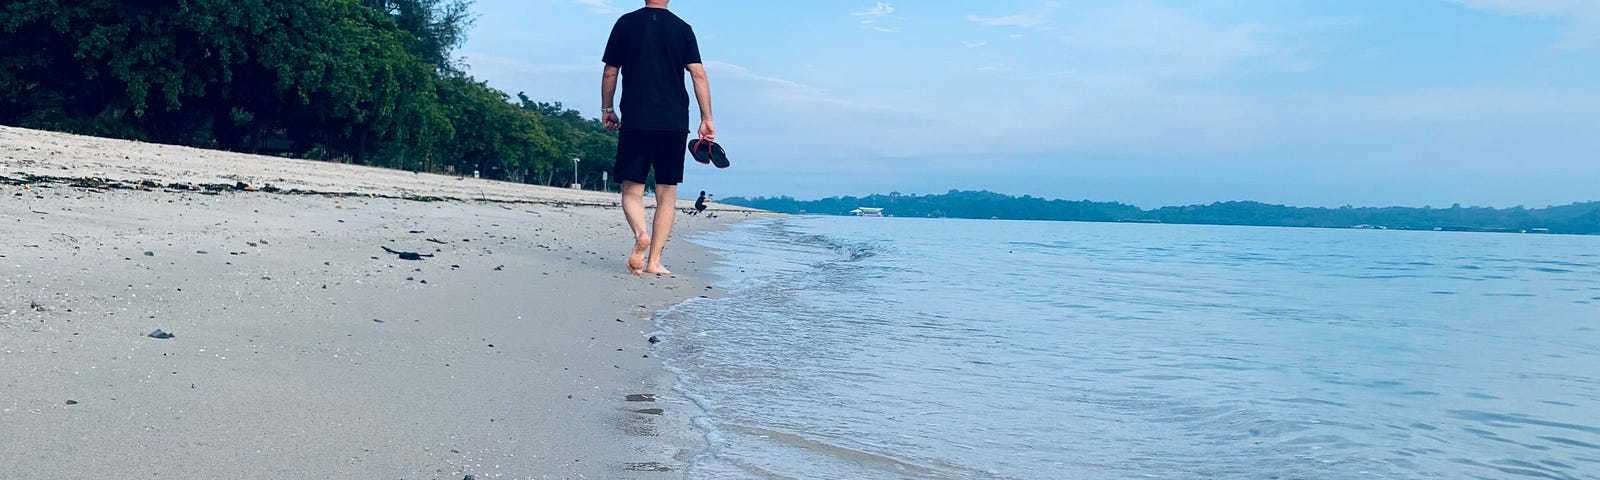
370	82
1576	218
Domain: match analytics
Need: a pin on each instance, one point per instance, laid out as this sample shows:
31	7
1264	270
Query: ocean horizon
849	347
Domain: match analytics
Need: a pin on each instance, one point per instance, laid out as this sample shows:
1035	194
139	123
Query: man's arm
608	92
702	95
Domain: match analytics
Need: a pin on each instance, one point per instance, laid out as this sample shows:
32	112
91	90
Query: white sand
303	350
54	154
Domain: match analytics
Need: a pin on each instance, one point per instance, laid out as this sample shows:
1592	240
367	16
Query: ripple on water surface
901	348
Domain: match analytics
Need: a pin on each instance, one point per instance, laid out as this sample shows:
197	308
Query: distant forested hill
1577	218
372	82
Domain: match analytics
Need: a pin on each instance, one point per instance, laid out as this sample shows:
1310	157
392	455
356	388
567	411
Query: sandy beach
516	347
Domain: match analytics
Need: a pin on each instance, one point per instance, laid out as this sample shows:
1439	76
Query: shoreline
302	348
68	158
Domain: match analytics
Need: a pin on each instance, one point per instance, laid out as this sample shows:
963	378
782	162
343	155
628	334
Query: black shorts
639	151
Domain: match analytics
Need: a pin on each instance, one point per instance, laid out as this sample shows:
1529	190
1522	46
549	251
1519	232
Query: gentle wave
899	348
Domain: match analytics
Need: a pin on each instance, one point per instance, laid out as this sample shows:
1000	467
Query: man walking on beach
651	48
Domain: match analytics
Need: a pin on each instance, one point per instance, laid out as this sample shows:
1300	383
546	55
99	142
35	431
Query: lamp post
575	172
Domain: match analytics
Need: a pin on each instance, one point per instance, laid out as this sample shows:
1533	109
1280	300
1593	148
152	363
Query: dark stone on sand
470	477
650	411
149	254
72	402
406	255
641	397
161	335
647	467
653	339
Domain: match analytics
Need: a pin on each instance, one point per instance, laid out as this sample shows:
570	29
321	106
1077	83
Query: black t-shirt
653	47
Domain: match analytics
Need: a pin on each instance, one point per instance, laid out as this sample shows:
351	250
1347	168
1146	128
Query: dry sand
302	348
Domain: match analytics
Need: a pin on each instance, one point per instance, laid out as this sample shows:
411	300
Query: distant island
1578	218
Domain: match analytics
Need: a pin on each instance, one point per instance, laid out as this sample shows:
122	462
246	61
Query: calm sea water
906	348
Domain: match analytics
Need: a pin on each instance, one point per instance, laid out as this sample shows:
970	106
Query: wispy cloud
601	6
476	61
874	18
977	44
1584	15
1174	42
735	71
1558	8
783	89
1030	19
882	9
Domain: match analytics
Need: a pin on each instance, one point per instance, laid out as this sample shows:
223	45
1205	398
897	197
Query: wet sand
516	347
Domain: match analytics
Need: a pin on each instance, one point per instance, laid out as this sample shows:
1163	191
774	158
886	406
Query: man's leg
633	210
666	212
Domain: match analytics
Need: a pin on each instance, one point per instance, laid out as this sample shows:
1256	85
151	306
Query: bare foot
657	269
641	245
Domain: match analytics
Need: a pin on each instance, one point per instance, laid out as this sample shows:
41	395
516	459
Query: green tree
492	135
437	27
368	81
578	137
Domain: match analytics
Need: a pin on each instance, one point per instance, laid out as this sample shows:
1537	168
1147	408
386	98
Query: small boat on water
867	212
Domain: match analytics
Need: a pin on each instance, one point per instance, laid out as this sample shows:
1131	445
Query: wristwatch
607	110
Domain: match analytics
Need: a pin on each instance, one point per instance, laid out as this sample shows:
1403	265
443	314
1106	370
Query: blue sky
1324	103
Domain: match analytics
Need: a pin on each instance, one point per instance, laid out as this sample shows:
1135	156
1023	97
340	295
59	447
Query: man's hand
702	95
708	132
608	91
